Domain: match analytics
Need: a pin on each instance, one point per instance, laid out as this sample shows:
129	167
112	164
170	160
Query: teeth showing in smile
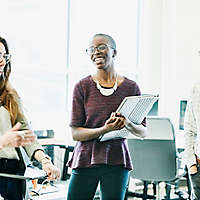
99	60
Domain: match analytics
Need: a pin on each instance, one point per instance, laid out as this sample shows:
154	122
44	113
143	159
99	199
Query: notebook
135	109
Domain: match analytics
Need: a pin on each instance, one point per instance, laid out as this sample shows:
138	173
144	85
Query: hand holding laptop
115	122
134	109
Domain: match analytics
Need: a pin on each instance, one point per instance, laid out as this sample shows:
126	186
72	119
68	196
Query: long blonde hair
8	95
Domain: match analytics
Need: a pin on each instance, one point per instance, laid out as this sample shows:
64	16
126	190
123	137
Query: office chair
59	155
155	158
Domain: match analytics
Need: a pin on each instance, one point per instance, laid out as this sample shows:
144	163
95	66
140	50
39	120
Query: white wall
150	47
169	44
187	44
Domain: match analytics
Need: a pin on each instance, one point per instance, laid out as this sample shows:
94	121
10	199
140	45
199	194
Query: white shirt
5	125
192	127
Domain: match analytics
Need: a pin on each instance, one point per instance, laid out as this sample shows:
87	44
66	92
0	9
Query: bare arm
137	130
52	171
85	134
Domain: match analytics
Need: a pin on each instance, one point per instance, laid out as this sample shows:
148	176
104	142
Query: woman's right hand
115	122
193	169
15	138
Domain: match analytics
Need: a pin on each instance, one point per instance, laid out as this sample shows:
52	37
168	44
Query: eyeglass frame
97	48
5	56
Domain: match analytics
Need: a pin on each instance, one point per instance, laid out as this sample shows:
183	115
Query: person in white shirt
192	139
14	132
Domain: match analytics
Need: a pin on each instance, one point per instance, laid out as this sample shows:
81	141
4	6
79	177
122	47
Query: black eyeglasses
5	56
101	47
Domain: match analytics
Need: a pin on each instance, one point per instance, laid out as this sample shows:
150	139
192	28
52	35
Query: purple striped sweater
90	109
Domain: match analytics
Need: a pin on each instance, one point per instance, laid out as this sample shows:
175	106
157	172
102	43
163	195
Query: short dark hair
108	37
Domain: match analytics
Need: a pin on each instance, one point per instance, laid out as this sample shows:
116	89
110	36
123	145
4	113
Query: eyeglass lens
5	56
101	47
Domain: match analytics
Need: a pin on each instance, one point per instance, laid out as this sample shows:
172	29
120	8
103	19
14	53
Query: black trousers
195	180
10	188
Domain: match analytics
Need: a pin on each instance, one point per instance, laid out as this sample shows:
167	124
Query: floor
134	186
137	186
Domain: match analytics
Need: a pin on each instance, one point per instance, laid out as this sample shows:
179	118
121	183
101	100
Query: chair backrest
160	128
154	158
43	134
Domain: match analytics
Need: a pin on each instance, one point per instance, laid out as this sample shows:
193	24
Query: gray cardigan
192	127
5	125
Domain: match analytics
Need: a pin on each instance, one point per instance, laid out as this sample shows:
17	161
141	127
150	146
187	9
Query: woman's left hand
52	171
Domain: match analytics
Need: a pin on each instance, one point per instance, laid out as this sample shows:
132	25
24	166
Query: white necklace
106	91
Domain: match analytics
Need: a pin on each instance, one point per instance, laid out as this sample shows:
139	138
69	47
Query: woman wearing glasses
95	99
12	136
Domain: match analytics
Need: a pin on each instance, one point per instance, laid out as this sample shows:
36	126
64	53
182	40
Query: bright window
37	35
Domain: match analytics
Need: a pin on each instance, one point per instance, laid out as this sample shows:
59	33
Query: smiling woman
95	99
